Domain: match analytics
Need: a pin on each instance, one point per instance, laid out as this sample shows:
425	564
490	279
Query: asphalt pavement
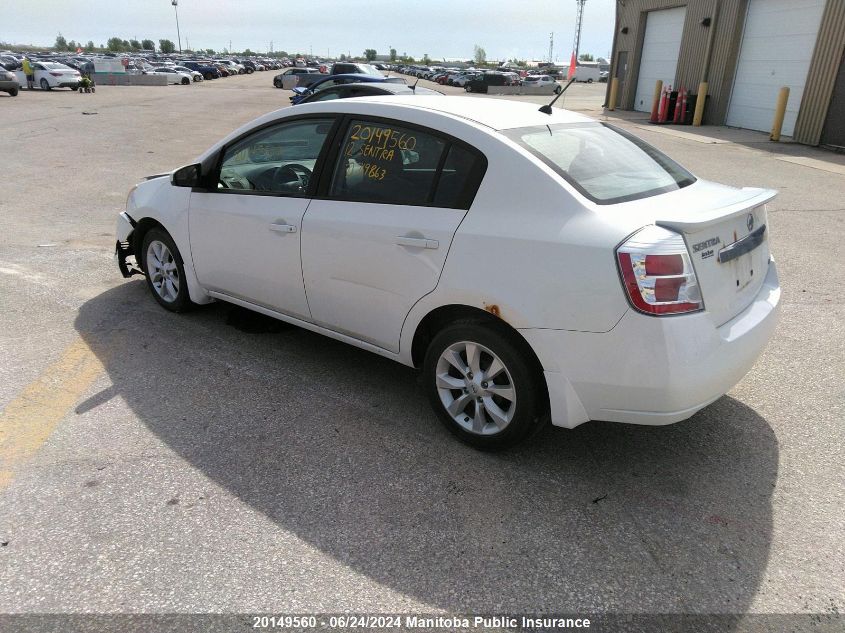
222	462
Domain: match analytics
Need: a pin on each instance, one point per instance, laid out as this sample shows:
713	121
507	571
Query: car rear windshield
604	163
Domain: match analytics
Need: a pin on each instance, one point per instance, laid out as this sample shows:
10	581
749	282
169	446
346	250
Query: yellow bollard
780	112
699	103
655	104
614	89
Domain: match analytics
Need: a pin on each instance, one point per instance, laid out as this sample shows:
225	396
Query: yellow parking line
29	419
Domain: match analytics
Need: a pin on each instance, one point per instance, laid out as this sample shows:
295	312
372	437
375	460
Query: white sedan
611	285
173	76
541	81
194	74
49	75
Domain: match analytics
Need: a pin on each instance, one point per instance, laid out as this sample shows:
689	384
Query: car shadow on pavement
339	447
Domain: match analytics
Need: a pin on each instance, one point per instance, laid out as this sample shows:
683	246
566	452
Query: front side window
603	163
391	164
280	159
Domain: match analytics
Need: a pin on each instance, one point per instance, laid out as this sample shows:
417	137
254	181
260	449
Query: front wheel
45	85
558	90
186	81
484	385
13	92
468	88
589	81
165	271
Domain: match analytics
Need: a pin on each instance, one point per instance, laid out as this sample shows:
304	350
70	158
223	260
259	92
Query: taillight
657	272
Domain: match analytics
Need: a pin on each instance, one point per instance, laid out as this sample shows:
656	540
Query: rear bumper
650	370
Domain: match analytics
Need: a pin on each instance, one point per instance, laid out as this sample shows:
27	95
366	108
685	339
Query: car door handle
418	242
283	228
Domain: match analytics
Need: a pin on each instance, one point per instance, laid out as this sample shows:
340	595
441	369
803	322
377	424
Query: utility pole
271	46
579	20
175	4
551	47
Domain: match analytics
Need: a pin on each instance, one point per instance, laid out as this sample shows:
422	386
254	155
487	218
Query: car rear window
604	163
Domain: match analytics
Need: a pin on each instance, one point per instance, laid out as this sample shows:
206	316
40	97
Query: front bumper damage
124	253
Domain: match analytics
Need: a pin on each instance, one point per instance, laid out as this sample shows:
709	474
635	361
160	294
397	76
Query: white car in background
195	75
234	68
610	285
536	81
173	76
49	75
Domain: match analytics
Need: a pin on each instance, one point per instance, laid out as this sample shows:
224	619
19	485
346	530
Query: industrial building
746	50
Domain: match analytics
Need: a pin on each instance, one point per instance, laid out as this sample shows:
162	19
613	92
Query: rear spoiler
750	197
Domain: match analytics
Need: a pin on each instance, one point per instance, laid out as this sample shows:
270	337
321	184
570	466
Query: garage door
777	45
659	59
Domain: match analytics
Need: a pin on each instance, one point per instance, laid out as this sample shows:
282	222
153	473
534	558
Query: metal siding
818	89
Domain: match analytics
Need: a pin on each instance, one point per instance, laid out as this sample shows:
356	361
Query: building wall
728	23
728	33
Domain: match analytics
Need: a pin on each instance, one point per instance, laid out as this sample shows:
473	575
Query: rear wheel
589	81
165	271
558	90
484	386
185	81
209	76
13	92
468	88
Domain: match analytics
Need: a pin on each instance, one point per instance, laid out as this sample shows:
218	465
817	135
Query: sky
442	28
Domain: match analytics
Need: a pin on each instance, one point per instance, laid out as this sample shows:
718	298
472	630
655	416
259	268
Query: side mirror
189	176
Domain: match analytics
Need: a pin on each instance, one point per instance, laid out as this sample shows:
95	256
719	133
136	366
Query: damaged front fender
124	249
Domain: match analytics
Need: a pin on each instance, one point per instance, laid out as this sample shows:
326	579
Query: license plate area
740	257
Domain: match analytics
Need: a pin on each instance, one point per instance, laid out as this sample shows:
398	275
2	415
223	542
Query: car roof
498	114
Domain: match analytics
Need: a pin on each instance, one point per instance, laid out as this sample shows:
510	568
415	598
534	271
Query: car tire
186	81
13	92
166	272
519	405
45	85
468	88
74	88
208	76
558	90
590	80
249	71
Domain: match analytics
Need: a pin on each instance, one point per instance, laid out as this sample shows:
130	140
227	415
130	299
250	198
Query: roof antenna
547	109
414	87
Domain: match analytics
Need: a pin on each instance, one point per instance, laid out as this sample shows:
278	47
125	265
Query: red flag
572	64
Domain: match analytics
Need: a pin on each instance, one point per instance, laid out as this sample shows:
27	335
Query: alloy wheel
475	388
162	270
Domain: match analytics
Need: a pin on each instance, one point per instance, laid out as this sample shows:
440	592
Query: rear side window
603	163
459	179
391	164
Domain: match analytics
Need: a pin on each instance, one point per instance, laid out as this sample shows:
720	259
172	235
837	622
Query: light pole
175	4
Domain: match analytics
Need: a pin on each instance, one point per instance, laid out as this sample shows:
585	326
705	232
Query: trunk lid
726	233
